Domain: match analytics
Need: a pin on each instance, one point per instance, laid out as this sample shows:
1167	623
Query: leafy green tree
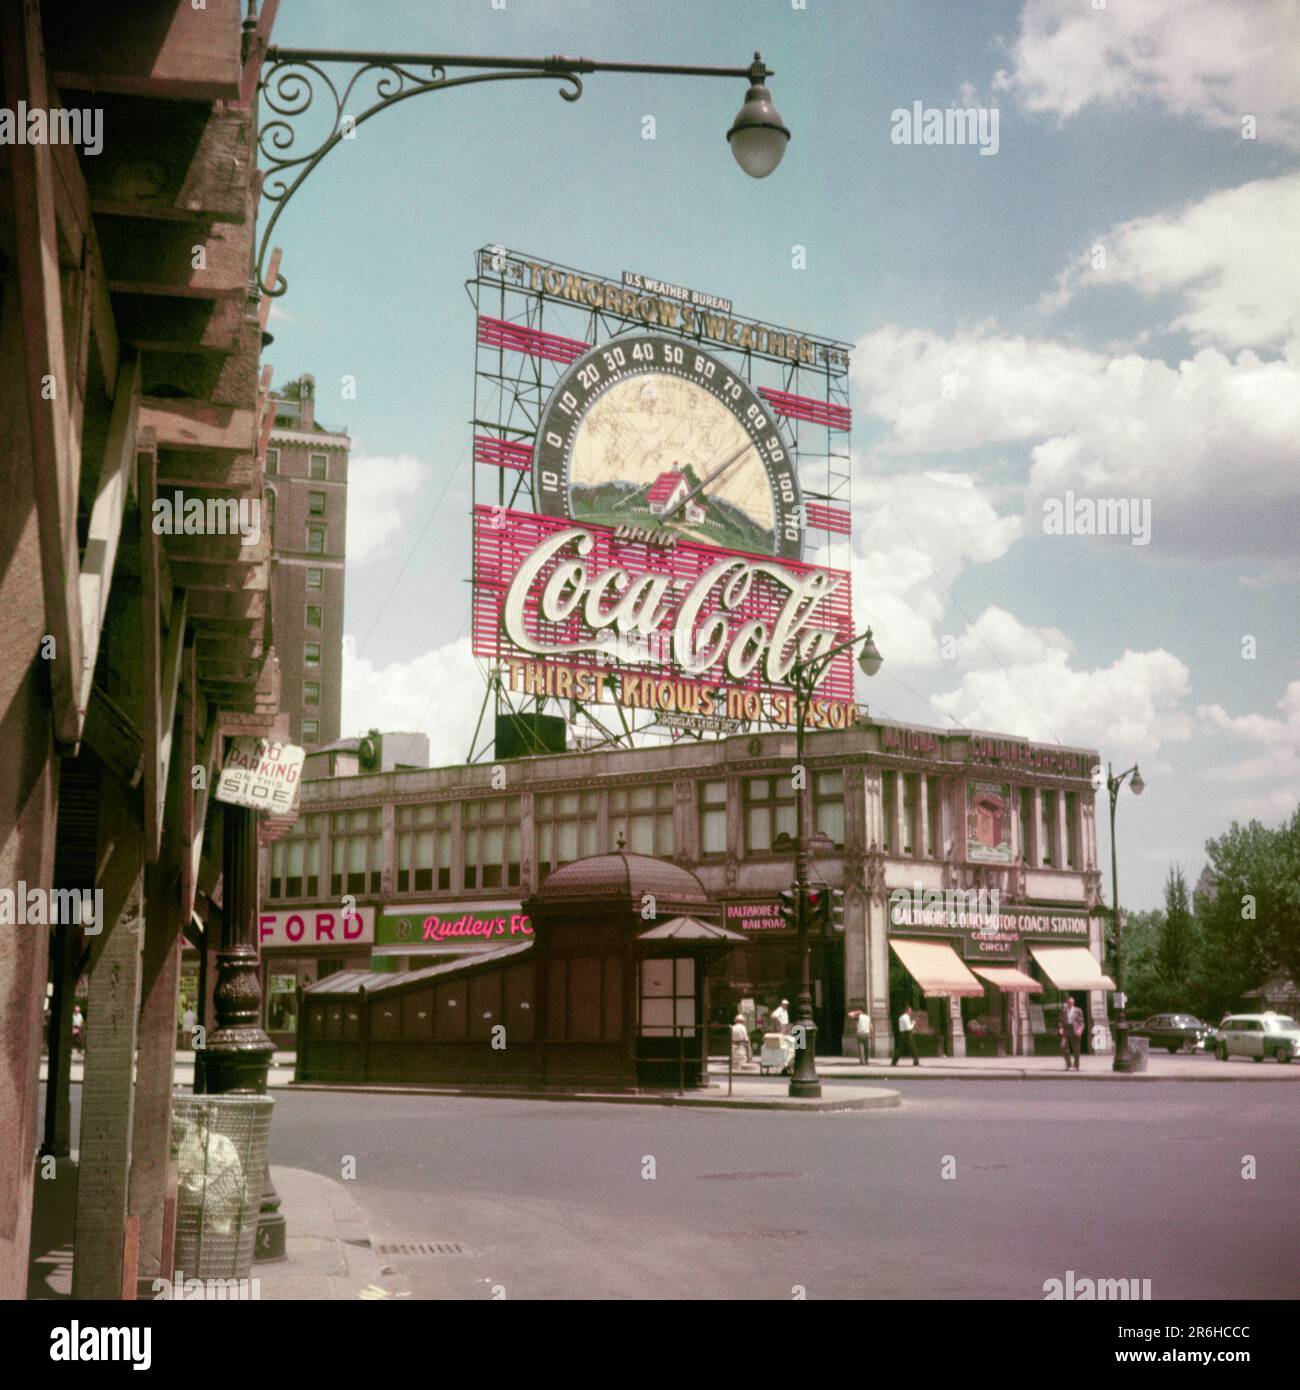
1142	982
1250	922
1174	954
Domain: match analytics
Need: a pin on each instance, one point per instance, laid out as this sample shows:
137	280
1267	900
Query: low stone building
967	864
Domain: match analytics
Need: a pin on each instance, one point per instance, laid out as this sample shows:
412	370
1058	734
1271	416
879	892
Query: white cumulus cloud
913	535
1212	60
1230	256
438	693
380	490
1211	441
1270	778
1129	708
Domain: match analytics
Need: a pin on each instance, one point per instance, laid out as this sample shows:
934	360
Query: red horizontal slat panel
516	337
826	518
836	417
503	453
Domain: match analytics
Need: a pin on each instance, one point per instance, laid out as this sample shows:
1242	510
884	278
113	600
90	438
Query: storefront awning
936	967
1071	967
1008	977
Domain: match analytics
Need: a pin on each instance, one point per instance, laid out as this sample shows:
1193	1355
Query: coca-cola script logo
709	621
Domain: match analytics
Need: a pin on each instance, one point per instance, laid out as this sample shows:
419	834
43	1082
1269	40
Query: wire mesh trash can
219	1147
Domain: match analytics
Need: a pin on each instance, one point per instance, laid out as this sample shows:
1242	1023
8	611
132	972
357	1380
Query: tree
1175	945
1250	924
1141	977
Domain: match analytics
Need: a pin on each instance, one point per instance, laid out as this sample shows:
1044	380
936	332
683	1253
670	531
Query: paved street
547	1199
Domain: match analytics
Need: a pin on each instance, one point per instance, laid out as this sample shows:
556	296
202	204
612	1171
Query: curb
866	1098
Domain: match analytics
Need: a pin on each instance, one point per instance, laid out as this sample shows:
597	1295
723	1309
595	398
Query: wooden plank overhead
49	392
154	48
100	554
183	160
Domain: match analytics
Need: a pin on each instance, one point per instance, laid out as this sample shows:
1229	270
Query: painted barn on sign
666	493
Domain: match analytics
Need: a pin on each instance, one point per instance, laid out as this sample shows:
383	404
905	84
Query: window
769	812
272	462
424	847
317	467
713	818
311	653
911	812
310	730
1047	838
491	840
828	806
1071	830
316	540
1027	825
357	849
645	816
667	997
316	503
566	828
313	615
934	845
888	807
295	861
311	692
315	578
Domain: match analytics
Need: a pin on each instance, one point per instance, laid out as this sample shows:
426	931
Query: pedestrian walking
741	1050
77	1025
906	1037
863	1033
189	1022
781	1016
1071	1031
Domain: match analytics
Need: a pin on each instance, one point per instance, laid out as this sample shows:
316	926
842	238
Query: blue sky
998	363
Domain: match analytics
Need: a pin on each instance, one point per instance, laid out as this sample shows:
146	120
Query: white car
1258	1036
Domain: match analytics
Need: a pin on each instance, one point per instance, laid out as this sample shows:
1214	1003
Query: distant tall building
307	502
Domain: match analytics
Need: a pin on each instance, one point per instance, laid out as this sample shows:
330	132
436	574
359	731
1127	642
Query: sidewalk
328	1245
1160	1067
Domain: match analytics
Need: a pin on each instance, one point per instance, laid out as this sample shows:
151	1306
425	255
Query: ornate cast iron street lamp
293	77
803	679
1124	1059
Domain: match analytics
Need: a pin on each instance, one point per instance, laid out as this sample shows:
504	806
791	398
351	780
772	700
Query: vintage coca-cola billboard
720	629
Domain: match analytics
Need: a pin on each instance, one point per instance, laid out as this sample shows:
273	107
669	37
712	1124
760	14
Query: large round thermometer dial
650	432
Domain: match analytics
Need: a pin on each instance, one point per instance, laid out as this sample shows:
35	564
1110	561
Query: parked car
1258	1036
1177	1032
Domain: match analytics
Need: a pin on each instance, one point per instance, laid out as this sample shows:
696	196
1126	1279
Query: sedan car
1258	1036
1177	1032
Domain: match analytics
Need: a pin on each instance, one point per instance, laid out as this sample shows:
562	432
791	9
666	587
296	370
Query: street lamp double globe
803	678
1124	1058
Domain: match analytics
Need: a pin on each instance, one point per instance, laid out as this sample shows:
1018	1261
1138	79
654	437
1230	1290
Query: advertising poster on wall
988	822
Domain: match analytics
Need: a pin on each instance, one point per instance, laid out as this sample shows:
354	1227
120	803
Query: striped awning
936	967
1071	967
1008	977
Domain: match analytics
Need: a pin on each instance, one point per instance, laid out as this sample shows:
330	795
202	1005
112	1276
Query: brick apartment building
307	506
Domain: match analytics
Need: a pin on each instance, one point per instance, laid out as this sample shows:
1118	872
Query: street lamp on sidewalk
1124	1059
803	680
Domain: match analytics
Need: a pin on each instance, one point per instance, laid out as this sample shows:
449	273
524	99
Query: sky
1103	306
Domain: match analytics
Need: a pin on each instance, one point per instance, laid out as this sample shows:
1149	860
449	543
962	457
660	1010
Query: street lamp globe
1137	784
757	136
870	660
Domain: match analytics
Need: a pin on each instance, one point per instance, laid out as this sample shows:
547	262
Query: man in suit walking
1071	1031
